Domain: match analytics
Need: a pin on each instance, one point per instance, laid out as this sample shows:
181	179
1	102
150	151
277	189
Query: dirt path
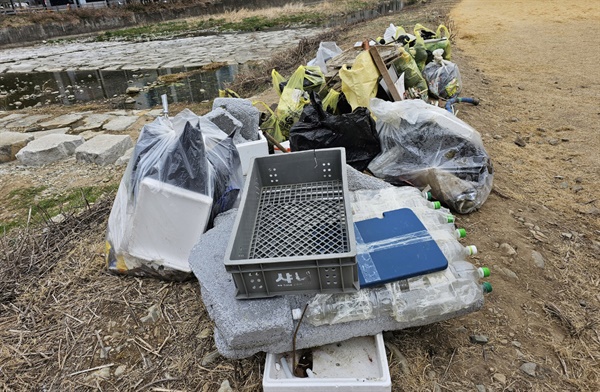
534	65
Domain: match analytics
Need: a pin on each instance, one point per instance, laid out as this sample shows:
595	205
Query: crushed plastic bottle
428	296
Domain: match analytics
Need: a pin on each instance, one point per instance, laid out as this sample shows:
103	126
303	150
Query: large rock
11	143
103	149
49	149
120	123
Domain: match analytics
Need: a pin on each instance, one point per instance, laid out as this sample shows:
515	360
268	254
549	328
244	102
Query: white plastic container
251	150
355	365
166	223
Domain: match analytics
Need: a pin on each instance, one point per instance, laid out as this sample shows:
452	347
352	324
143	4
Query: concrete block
48	149
61	121
227	123
11	143
248	324
103	149
244	111
120	123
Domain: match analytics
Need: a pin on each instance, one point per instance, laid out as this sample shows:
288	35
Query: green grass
253	23
21	200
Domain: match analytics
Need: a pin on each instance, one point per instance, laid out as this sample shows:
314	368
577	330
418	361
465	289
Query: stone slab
120	123
93	122
246	327
62	121
4	121
124	159
48	149
87	135
103	149
57	131
11	143
26	123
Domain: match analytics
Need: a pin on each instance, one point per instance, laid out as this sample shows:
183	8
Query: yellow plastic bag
359	84
228	93
271	125
330	101
419	52
440	40
277	80
412	75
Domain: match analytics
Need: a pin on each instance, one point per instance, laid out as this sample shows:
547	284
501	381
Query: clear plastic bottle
449	245
368	204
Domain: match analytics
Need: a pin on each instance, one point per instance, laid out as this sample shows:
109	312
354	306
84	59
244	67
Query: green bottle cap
450	218
487	287
429	196
485	271
437	205
471	250
461	233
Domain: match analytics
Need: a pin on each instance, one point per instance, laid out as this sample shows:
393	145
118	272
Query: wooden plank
384	72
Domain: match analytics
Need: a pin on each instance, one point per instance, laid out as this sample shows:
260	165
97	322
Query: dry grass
65	321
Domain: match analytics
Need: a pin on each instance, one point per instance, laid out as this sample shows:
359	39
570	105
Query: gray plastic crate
293	232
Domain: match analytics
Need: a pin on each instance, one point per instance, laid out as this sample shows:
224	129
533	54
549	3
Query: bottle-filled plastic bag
442	76
406	64
425	145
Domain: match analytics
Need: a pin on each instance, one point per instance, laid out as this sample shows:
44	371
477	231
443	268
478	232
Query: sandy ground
534	66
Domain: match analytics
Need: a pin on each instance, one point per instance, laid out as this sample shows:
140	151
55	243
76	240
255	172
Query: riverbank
167	20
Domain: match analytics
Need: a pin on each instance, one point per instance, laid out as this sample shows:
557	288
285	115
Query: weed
45	206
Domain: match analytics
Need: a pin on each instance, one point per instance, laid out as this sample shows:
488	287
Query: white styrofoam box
251	150
355	365
285	145
167	222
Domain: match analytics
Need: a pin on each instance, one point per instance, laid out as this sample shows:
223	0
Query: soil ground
534	66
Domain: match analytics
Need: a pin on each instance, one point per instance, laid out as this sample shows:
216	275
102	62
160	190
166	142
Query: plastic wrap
442	76
326	51
425	145
354	131
165	198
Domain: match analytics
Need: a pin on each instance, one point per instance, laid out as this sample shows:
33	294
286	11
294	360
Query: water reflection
18	90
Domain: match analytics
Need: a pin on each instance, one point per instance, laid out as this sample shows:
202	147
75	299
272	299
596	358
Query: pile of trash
381	101
350	235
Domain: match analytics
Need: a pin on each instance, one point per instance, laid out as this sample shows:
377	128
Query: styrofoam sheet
167	222
355	365
250	150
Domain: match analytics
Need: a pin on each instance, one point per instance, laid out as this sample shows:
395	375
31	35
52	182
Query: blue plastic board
394	248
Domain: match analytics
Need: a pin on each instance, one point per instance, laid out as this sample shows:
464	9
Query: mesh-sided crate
293	232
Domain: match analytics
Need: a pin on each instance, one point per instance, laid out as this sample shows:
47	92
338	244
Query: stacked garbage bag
329	103
183	172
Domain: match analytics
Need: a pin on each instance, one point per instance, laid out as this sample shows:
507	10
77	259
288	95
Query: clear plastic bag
183	172
425	145
326	51
442	76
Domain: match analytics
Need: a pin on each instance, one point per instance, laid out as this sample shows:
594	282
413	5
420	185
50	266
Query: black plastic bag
354	131
225	161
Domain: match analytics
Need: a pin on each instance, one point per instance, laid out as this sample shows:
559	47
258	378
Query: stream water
38	87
